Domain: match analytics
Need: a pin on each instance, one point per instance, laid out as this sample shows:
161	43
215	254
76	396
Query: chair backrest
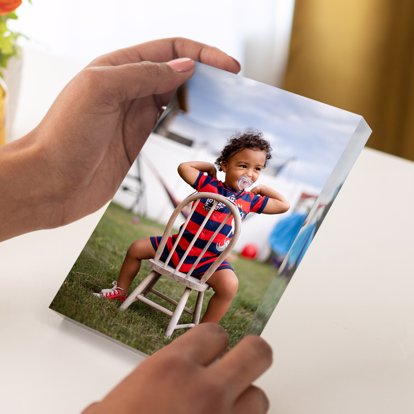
232	218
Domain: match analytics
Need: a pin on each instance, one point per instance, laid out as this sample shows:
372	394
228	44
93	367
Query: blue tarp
301	245
285	232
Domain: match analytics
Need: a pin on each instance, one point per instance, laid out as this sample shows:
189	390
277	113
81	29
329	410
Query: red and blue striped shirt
246	201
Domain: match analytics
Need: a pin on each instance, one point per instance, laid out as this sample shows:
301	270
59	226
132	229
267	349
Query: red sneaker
115	293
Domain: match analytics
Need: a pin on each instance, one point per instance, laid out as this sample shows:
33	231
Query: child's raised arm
189	170
277	203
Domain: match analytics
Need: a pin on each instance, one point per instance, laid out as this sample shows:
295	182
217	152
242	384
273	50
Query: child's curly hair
250	139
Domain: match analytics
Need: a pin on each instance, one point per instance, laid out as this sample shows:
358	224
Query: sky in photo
309	135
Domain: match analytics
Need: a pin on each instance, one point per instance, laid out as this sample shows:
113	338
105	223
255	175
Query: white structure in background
265	27
165	155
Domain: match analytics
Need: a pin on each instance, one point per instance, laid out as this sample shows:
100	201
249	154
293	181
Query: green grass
142	327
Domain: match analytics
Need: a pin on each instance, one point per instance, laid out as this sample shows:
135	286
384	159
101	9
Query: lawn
142	327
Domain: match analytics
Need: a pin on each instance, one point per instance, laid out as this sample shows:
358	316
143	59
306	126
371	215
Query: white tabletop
343	333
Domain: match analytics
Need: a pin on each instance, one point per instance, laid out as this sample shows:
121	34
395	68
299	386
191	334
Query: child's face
248	162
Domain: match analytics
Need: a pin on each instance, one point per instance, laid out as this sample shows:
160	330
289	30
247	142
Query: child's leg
139	250
225	284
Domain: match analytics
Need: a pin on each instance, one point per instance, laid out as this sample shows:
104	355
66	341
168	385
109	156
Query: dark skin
211	380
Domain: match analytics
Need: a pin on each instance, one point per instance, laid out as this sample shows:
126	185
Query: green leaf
8	39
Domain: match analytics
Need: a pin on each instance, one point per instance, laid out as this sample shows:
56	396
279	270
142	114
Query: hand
259	190
99	123
187	377
76	158
189	171
276	204
211	170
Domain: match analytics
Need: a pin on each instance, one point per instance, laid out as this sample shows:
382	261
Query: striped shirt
246	201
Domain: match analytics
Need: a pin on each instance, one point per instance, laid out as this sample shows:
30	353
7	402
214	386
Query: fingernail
181	64
236	62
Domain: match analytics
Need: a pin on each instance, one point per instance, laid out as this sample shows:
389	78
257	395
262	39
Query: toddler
242	160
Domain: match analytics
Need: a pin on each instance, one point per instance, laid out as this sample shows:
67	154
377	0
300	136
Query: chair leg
148	281
151	284
177	313
197	308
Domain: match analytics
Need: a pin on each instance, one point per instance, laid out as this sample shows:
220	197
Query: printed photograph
215	214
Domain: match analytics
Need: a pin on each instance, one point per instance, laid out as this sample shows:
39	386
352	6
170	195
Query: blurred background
357	55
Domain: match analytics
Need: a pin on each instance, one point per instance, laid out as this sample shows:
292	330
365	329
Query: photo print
277	160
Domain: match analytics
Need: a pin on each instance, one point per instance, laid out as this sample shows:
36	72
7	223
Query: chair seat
168	271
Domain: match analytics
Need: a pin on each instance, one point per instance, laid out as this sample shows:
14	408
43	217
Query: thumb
138	80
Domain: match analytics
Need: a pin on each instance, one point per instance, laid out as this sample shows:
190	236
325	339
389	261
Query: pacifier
244	182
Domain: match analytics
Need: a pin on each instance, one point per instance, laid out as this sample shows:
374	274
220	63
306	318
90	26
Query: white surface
343	333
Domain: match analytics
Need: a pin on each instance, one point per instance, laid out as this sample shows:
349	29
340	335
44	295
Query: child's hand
276	204
211	170
190	170
259	190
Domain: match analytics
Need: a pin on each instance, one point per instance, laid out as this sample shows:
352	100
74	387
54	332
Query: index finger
202	344
164	50
250	358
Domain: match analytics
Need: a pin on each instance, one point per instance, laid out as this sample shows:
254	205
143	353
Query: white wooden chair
162	268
